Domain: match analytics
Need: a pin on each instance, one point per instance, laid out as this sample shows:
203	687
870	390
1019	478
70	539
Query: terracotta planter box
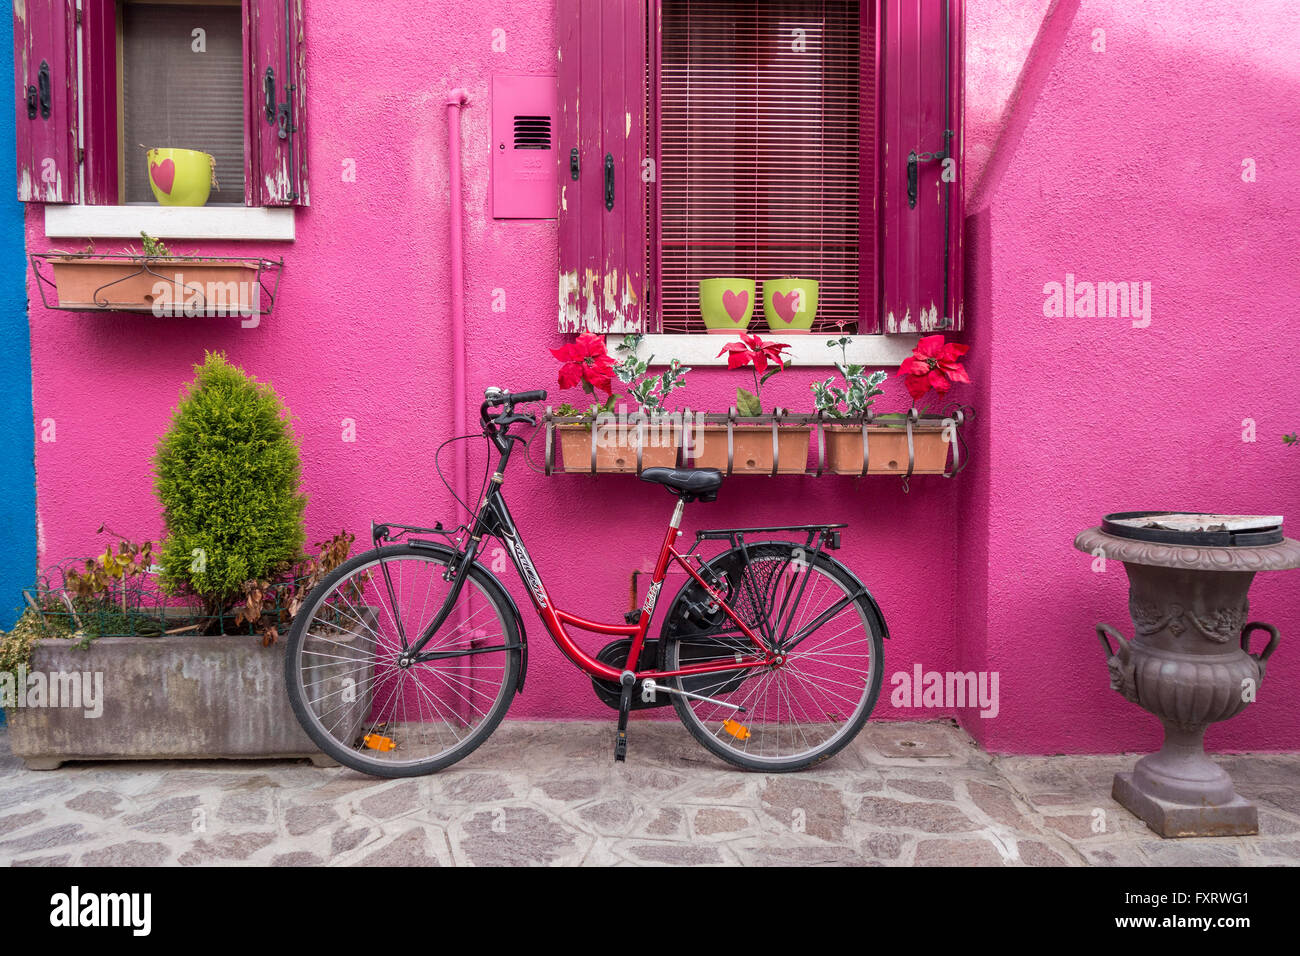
165	698
887	448
752	454
95	283
615	450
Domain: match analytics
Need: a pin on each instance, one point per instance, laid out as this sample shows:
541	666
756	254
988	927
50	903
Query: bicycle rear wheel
346	682
813	703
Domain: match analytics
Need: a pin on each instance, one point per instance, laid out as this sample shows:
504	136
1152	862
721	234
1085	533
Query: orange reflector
377	742
736	729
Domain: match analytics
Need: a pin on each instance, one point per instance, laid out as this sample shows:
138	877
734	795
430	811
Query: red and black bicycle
406	658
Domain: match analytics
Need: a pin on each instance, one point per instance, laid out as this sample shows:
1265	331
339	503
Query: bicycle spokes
368	694
818	687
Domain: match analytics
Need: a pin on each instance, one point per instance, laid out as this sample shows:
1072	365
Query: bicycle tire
869	614
487	586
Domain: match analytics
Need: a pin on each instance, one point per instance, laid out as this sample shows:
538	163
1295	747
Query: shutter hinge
81	154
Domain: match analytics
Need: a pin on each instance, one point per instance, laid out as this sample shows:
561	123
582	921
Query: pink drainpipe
456	101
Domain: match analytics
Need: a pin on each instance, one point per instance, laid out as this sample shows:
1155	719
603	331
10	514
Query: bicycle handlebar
496	397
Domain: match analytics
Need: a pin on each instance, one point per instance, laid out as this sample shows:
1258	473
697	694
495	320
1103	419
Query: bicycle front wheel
827	633
349	687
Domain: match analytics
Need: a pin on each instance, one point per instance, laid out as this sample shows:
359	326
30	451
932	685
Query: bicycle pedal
620	747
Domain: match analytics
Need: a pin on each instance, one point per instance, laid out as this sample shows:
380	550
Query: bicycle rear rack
819	536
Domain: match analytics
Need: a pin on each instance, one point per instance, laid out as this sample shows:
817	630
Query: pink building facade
1105	141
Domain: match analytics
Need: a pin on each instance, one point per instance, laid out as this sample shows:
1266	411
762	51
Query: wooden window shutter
601	137
45	93
922	80
275	171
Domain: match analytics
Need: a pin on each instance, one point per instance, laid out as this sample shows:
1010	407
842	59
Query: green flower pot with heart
726	305
790	305
181	177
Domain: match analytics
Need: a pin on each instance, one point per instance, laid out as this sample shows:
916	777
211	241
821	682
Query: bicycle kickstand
628	680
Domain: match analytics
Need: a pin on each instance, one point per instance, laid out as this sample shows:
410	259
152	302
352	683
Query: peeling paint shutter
602	97
45	93
920	100
275	173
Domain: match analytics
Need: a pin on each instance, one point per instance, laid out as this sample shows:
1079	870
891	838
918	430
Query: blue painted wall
17	468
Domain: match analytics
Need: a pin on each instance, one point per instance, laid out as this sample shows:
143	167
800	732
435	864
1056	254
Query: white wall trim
702	350
169	222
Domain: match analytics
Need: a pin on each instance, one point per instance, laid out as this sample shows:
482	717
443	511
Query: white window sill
702	350
170	222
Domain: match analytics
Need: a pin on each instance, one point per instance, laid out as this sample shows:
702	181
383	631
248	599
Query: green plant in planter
648	390
227	476
16	645
154	247
859	392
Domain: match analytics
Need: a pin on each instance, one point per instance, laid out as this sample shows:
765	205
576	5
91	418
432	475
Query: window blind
764	114
174	95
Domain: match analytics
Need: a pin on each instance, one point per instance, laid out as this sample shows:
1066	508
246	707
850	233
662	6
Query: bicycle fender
493	583
872	605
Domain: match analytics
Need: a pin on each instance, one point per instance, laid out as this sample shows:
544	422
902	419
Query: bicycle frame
494	520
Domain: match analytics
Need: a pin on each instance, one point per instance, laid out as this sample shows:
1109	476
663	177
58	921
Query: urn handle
1119	662
1121	642
1273	638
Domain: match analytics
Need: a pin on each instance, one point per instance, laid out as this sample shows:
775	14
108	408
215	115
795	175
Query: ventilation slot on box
532	132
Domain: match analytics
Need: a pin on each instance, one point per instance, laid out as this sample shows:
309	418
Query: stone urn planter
1190	661
163	698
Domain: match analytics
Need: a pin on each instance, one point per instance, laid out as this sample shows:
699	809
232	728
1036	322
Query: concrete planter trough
180	697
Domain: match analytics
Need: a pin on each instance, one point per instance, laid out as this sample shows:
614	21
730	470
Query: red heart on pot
735	303
164	175
786	304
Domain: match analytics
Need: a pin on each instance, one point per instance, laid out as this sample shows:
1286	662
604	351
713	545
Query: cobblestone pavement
542	793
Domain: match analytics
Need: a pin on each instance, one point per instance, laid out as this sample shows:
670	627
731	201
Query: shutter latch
268	89
913	171
38	96
609	181
575	164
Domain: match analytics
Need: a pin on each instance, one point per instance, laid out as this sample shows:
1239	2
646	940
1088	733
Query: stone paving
550	793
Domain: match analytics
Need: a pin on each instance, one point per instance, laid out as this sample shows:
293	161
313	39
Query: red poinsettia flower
752	350
933	365
586	363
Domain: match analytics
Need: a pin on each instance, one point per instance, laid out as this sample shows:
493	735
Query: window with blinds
762	135
182	89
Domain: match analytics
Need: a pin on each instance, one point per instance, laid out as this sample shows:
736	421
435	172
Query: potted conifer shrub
202	682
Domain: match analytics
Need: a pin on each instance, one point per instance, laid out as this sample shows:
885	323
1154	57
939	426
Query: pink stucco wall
1125	167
